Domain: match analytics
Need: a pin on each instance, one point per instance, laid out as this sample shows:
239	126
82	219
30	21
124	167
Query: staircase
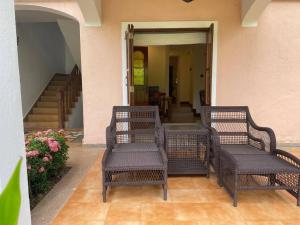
53	107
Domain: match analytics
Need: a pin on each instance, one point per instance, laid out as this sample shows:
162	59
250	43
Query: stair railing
68	94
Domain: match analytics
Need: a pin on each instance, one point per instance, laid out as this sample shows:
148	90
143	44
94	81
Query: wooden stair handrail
68	94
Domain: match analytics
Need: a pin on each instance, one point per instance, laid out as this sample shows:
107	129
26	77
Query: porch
191	200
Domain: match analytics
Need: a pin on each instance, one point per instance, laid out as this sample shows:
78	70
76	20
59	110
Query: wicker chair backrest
231	122
135	124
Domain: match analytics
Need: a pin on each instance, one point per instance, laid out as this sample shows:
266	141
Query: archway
48	50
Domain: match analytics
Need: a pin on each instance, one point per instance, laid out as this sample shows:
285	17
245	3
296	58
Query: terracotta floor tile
264	223
186	195
124	212
76	212
254	212
87	196
79	222
116	222
158	212
161	222
223	213
190	211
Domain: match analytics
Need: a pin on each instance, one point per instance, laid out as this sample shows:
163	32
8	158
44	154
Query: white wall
70	31
41	53
169	39
12	147
75	119
158	67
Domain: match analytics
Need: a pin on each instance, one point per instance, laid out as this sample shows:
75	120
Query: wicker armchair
233	129
134	154
244	155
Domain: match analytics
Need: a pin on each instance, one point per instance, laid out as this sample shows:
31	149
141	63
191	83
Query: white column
11	122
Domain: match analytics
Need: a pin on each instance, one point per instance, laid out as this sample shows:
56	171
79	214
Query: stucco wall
12	135
258	67
41	53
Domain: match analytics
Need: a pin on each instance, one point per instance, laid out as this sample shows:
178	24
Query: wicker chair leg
235	192
165	192
104	193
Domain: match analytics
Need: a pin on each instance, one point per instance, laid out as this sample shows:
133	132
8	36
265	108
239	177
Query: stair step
38	110
42	118
49	98
44	104
50	93
60	77
54	87
58	82
43	125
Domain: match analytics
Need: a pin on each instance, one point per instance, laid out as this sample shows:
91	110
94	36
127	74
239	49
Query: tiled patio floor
191	200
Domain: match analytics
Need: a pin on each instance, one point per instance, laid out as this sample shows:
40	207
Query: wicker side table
187	148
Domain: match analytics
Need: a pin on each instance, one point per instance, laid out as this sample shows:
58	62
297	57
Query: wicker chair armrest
107	151
163	155
229	159
215	141
159	136
256	142
290	158
261	131
109	136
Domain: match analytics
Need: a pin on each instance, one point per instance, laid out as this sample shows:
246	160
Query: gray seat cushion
261	164
242	149
134	160
135	147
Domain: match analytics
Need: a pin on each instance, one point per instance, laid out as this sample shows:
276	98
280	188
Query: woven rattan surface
242	149
134	154
232	128
187	148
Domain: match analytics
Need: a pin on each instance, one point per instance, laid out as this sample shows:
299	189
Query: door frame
168	25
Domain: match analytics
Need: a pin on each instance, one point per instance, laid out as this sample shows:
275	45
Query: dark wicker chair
134	154
244	155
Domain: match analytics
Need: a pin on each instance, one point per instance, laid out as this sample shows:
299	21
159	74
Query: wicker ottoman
278	171
187	148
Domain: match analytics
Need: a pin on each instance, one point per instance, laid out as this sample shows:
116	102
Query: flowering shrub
46	154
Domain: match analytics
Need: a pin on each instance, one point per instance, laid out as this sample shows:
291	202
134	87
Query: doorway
169	34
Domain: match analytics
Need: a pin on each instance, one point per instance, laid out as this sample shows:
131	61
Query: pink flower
27	143
41	170
38	134
49	131
46	159
32	153
53	145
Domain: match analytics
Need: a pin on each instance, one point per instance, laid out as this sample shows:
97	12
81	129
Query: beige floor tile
157	212
76	212
264	223
190	211
186	195
87	196
79	222
124	212
116	222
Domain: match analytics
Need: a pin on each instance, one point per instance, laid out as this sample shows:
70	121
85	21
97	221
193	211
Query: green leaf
10	199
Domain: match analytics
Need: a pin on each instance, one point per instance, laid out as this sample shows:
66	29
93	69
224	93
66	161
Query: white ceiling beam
251	11
91	11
